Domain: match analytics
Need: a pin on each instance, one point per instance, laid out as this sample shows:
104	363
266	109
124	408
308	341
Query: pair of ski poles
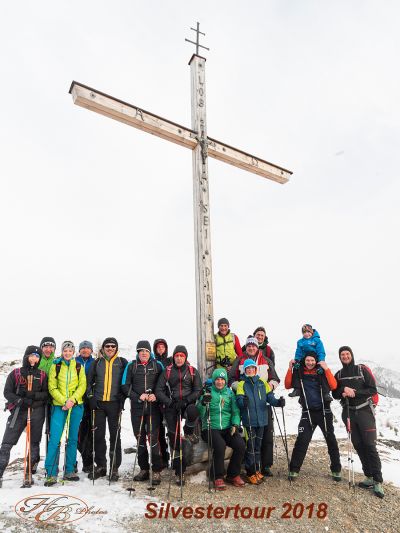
150	487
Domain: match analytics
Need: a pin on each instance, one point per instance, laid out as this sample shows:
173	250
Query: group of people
74	397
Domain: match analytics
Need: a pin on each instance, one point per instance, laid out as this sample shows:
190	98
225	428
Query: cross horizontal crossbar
139	118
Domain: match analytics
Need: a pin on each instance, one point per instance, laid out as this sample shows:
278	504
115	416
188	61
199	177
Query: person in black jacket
19	398
355	389
106	399
138	384
160	351
178	388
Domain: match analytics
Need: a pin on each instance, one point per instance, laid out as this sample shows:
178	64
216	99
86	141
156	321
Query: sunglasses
110	346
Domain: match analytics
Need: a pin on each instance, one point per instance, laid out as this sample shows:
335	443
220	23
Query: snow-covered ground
115	499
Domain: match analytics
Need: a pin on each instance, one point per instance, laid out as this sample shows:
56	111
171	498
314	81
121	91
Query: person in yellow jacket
227	345
67	385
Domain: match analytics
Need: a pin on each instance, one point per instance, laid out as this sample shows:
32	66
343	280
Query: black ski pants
363	437
107	411
12	435
174	437
141	430
162	437
267	444
305	433
220	439
85	439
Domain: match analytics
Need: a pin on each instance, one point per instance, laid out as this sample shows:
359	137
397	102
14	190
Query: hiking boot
378	490
260	477
76	467
293	476
156	478
50	481
219	484
266	472
192	438
114	475
253	479
178	480
336	476
26	483
294	393
236	481
142	476
366	483
71	476
99	471
87	468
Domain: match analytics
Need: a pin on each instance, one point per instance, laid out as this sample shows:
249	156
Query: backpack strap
168	372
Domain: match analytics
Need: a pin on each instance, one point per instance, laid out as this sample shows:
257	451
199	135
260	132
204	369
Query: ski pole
323	409
131	488
93	448
151	446
284	432
305	400
251	438
66	429
210	449
115	447
180	452
284	442
173	457
350	460
27	458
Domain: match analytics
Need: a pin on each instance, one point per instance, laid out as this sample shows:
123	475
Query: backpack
374	397
58	368
19	380
190	367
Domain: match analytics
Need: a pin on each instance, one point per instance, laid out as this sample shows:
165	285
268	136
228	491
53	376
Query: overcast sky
97	217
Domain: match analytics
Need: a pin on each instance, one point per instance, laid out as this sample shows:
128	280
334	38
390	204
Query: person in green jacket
220	420
67	385
48	347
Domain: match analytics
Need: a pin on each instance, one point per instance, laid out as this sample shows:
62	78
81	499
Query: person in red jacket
315	402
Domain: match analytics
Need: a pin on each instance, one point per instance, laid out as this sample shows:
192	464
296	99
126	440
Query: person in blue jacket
252	396
310	342
85	441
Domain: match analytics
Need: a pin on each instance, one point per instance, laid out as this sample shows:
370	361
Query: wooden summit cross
203	146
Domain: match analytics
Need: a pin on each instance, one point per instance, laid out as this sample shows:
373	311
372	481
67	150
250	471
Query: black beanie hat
346	348
33	349
143	345
180	349
110	340
223	321
310	354
48	341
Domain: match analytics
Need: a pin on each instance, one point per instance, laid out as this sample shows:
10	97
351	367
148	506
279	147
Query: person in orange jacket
315	401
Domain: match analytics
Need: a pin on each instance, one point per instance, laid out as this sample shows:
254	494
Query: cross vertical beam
201	207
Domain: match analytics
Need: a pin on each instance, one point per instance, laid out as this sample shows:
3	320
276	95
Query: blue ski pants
58	420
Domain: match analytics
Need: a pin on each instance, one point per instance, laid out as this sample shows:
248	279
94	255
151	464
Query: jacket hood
315	334
347	348
29	351
163	341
